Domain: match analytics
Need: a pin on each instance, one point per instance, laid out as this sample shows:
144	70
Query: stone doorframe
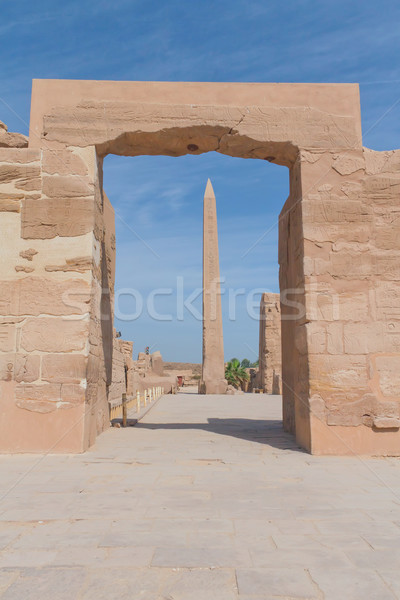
338	253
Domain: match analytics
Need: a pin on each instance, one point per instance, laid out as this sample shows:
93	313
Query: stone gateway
339	253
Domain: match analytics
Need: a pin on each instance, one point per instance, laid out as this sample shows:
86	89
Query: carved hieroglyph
213	371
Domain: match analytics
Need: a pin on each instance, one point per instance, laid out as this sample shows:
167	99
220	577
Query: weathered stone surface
63	162
19	174
24	268
6	367
346	304
67	186
387	423
14	195
270	363
54	334
79	264
157	363
19	367
335	338
12	140
61	368
213	371
19	155
131	376
38	295
381	162
28	254
339	372
198	115
48	218
310	338
9	205
212	128
48	397
361	319
27	367
293	289
345	164
388	371
118	376
363	338
38	398
7	337
33	184
72	394
10	320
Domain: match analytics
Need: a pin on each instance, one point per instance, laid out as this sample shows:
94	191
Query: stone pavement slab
206	498
351	584
294	583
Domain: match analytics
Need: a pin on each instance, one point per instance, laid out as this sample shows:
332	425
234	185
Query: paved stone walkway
205	499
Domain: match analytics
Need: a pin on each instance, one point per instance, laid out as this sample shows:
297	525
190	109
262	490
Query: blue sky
159	199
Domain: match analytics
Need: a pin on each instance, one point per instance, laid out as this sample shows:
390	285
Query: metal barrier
148	396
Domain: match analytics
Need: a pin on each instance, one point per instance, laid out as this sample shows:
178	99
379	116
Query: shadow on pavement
262	431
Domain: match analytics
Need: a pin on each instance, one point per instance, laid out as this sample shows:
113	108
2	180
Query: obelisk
213	371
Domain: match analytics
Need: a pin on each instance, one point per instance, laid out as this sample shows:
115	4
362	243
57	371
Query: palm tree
235	374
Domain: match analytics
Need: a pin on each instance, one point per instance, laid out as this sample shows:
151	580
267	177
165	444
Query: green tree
235	374
246	364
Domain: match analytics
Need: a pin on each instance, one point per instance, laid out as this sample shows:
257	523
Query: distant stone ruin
269	375
131	376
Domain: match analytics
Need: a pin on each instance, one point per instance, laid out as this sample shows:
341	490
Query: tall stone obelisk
213	371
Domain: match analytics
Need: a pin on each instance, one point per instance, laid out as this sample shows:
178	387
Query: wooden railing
147	397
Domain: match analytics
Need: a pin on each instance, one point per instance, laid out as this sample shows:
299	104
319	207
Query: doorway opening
158	204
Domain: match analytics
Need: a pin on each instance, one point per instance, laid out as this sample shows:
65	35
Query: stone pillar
351	335
340	290
291	283
270	362
213	372
45	298
118	379
157	365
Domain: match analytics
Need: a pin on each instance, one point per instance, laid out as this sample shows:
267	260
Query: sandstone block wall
351	330
45	293
339	260
269	375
